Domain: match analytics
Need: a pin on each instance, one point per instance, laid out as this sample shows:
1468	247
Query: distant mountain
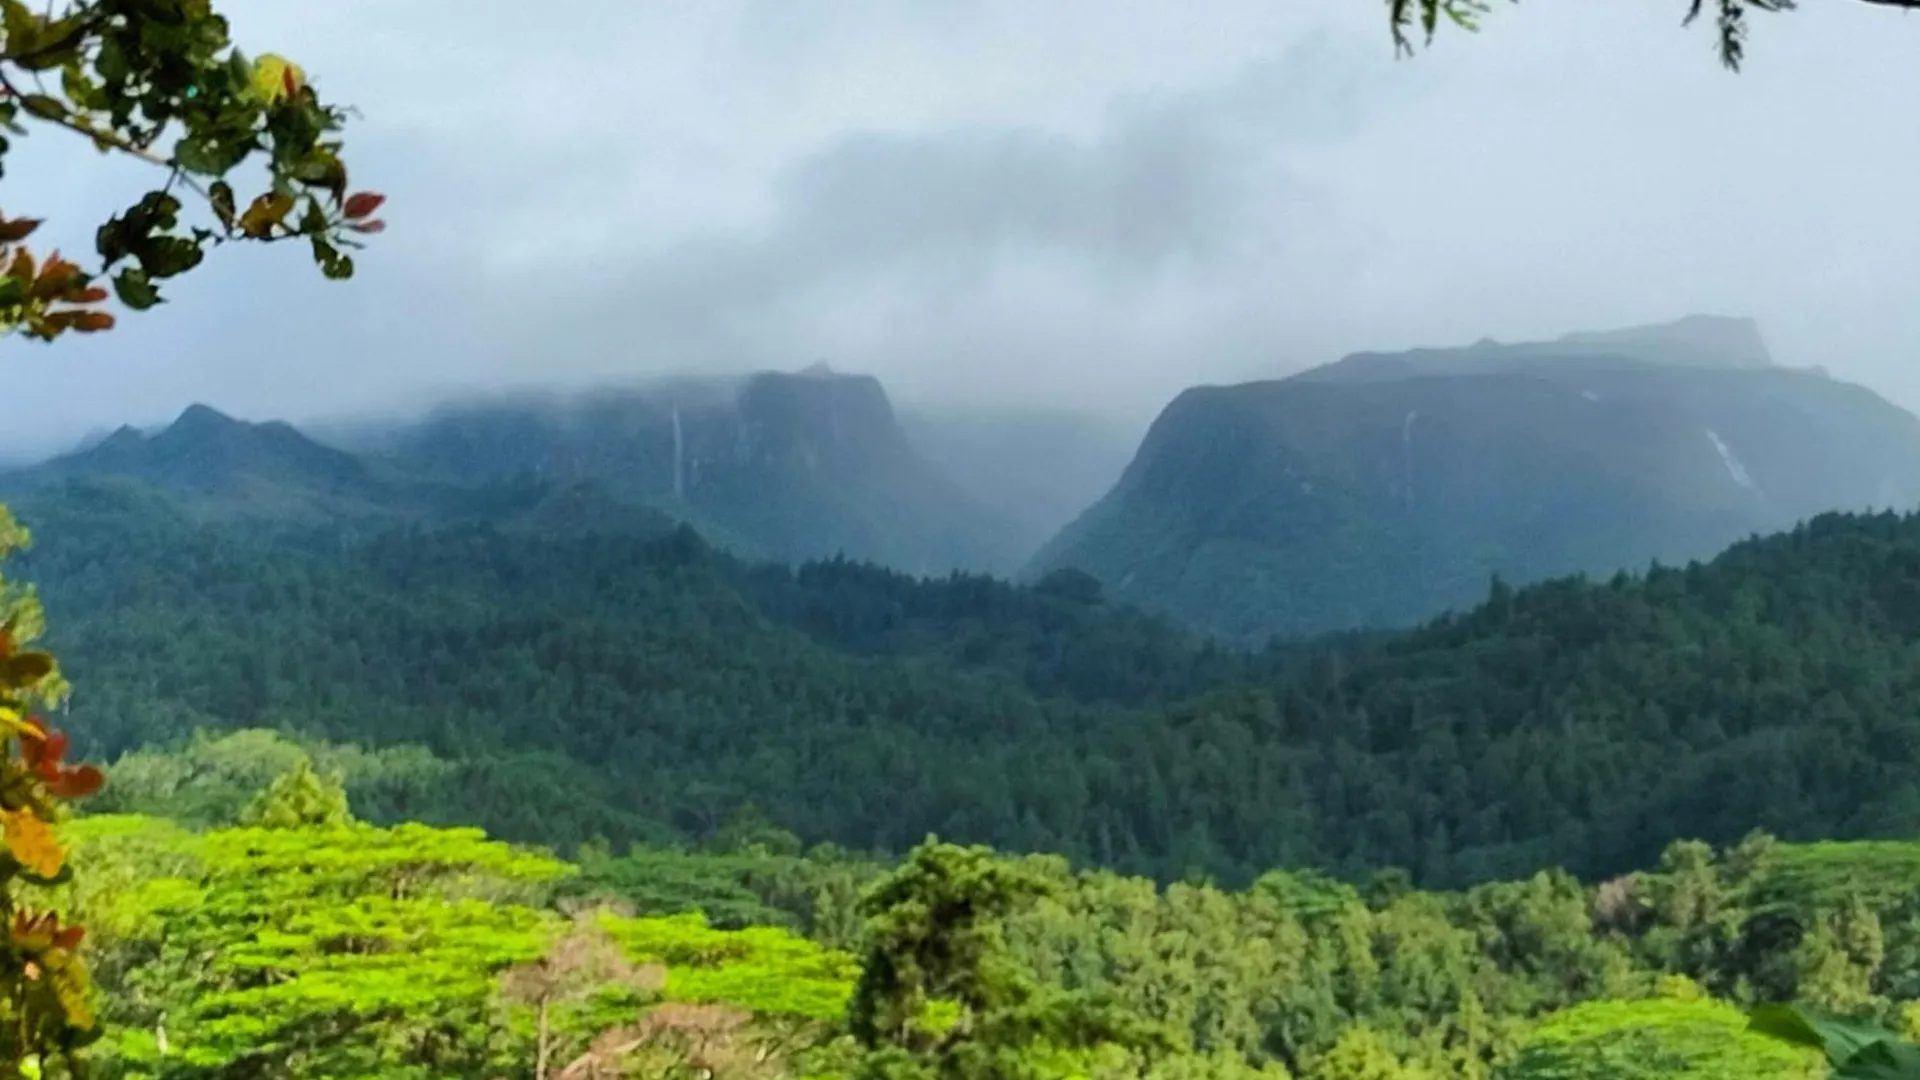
1035	468
223	468
780	465
1387	488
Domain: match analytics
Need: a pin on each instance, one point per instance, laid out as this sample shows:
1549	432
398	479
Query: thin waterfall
679	456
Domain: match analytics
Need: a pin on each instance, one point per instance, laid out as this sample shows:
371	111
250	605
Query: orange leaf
57	275
362	204
32	842
88	322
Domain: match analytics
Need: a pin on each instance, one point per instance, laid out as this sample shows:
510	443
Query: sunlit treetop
1421	18
159	80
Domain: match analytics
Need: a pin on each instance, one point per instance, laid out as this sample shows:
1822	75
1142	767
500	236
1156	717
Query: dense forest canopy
651	688
314	944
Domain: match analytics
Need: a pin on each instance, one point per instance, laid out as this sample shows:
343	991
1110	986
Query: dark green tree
942	995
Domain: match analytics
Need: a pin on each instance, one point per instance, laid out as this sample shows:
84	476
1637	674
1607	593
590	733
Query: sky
1068	203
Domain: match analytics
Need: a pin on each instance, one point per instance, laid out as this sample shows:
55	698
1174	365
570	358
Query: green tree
332	950
943	995
1661	1039
299	798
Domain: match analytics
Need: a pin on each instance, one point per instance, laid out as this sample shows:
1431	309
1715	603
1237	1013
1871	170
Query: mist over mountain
1387	488
781	466
785	466
1034	469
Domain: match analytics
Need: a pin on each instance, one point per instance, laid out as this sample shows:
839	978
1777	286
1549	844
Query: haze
1069	203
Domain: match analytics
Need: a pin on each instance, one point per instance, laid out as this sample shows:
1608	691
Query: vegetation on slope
307	944
653	689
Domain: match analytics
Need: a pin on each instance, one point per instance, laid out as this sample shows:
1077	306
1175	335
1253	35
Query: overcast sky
1079	202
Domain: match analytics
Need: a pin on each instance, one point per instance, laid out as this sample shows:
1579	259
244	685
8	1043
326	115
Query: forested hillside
278	936
632	687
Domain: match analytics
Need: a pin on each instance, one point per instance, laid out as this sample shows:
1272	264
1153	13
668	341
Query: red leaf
361	204
374	226
87	322
77	783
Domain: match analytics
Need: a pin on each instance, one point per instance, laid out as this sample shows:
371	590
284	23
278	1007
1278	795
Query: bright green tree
1658	1039
299	798
325	950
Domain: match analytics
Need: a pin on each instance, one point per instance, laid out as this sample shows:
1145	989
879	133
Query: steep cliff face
1387	488
783	465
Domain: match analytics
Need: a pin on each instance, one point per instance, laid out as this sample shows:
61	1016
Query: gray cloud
1094	203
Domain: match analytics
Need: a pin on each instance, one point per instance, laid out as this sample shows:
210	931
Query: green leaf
20	23
1882	1060
240	71
82	90
208	155
111	62
134	290
220	194
335	265
45	106
169	256
1837	1037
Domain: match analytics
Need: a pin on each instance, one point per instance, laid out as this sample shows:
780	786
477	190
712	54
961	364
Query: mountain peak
199	419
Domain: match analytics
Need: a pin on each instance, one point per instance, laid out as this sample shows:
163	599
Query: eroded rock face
1387	488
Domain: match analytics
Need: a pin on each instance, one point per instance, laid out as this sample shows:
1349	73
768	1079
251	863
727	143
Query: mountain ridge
787	466
1383	489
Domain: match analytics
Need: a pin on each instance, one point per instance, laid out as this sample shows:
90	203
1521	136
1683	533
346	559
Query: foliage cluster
325	948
